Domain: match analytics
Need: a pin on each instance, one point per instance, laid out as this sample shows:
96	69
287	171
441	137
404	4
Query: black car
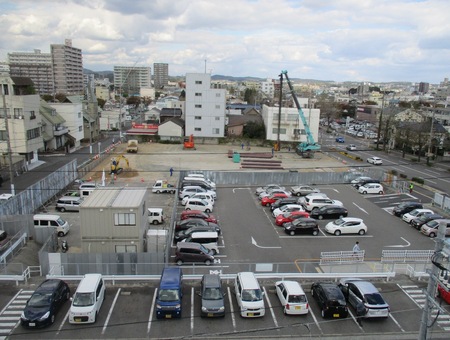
329	212
406	207
283	201
330	298
182	234
44	303
366	181
213	304
193	222
420	221
302	226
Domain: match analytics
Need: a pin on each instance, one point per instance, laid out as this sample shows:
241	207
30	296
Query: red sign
143	126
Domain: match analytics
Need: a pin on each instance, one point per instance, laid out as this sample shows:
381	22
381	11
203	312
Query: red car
289	217
268	200
198	214
443	293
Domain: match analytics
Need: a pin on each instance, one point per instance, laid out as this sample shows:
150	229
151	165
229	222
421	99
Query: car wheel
52	319
155	222
312	292
62	209
207	211
267	204
337	232
361	232
292	233
323	313
208	262
179	262
188	208
364	192
341	216
67	297
214	252
315	209
315	232
298	194
320	217
158	192
60	234
172	192
381	193
284	310
432	235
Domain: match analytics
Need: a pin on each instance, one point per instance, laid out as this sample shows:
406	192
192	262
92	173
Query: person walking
356	250
242	146
171	171
361	311
411	187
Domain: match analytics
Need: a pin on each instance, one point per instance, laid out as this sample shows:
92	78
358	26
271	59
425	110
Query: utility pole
279	112
380	123
5	91
431	137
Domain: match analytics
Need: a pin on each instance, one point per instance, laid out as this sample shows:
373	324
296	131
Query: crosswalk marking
10	315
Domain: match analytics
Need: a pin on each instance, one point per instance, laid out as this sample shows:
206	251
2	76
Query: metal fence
338	257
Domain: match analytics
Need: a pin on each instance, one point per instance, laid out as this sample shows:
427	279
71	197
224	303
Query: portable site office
114	220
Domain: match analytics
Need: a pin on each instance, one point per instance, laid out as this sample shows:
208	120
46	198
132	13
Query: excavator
115	164
189	142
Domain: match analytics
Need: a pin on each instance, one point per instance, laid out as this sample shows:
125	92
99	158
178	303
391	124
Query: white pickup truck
161	186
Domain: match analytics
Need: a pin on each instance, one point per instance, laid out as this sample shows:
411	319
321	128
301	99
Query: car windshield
204	249
414	212
296	298
168	295
424	218
286	215
212	294
433	224
40	299
83	299
339	221
374	299
251	295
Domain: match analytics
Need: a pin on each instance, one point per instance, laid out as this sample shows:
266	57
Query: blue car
340	139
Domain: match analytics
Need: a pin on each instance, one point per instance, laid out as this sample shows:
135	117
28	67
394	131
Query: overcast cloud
356	40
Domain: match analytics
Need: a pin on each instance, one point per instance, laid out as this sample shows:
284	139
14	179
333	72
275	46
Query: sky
345	40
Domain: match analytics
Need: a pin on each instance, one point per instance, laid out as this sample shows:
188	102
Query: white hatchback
408	217
202	195
287	209
371	188
292	297
346	225
375	160
198	204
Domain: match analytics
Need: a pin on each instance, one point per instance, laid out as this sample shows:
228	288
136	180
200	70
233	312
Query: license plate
335	315
168	316
210	315
298	307
31	324
77	319
250	314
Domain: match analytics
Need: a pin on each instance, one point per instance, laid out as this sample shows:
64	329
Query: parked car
302	199
202	195
420	221
283	201
359	291
375	160
314	203
330	298
192	252
408	217
329	212
443	293
212	294
302	226
289	217
287	208
371	188
351	147
198	204
43	305
268	200
340	140
303	190
189	190
4	240
346	225
431	228
187	214
292	297
406	207
365	182
268	187
273	191
359	180
185	233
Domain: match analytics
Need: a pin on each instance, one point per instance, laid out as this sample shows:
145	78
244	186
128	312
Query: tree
250	95
254	130
328	107
101	102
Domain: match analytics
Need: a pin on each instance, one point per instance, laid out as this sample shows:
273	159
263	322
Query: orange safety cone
142	180
115	177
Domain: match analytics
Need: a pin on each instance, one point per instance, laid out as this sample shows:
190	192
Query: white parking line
233	320
63	322
354	319
110	311
149	325
192	310
270	308
315	320
393	319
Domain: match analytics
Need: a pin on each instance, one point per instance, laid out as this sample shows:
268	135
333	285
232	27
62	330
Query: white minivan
199	179
46	220
198	204
87	300
249	295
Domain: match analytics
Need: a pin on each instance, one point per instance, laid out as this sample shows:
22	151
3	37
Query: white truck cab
155	216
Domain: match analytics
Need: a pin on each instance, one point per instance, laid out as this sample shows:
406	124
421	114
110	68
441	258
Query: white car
292	297
268	187
303	190
302	199
359	179
346	225
274	191
202	195
198	204
351	147
375	160
371	188
408	217
287	209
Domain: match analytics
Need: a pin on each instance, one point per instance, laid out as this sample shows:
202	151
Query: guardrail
340	257
404	256
21	239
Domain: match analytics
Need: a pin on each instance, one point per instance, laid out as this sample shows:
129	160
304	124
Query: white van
207	238
87	188
249	295
87	300
200	179
198	204
155	215
45	220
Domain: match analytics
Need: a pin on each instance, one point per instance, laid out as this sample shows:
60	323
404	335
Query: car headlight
45	316
178	306
204	309
221	309
23	317
158	306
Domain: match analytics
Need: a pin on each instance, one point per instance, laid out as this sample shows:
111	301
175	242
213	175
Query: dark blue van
170	292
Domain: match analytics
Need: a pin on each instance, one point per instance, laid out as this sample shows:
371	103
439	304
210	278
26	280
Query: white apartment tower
130	79
67	62
205	107
160	75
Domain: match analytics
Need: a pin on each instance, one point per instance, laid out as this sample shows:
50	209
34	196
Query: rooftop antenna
205	65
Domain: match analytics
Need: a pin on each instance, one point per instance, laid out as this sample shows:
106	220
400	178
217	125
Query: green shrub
418	180
403	176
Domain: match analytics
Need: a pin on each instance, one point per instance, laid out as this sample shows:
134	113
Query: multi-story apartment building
23	129
35	65
160	75
67	63
268	88
205	107
424	87
130	79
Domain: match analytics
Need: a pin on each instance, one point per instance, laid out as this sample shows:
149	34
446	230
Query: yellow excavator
115	162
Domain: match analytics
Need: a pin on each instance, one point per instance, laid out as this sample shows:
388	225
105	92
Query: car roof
292	286
211	280
354	219
49	285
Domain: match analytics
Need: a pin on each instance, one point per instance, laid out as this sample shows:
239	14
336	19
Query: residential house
172	130
54	131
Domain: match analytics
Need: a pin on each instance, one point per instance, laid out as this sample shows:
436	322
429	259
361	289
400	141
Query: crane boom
306	149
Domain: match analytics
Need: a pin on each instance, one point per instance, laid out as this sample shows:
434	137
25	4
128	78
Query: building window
198	106
33	133
32	115
198	117
217	118
2	113
3	135
80	128
18	113
124	219
218	106
198	82
126	249
217	94
197	129
53	113
198	94
5	89
79	115
216	131
282	131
